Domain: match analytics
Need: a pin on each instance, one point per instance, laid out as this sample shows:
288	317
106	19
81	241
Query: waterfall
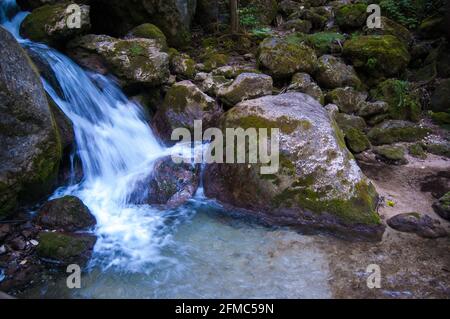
117	149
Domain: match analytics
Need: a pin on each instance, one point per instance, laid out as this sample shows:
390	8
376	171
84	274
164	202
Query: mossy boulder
394	131
134	61
442	206
438	148
183	66
67	214
440	100
334	73
357	141
347	99
65	248
390	27
351	16
282	57
303	83
246	86
325	42
149	31
215	60
30	150
211	84
370	109
419	224
377	56
404	104
317	186
417	150
183	104
391	154
346	121
48	24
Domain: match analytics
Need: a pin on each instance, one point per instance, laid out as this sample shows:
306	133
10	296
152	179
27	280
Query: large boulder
117	17
395	131
134	61
67	214
246	86
390	27
351	16
376	55
318	184
183	104
31	150
282	57
149	31
333	73
48	24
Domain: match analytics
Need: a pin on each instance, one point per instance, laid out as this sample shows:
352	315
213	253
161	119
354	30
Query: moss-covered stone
149	31
441	97
347	99
417	151
346	121
183	66
377	56
325	42
394	131
302	82
442	206
391	154
214	60
440	149
351	16
334	73
390	27
282	57
65	248
441	118
403	103
357	141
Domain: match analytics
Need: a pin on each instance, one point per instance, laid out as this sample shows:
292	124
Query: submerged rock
48	24
318	184
135	61
64	248
442	206
282	58
246	86
422	225
30	151
67	214
184	103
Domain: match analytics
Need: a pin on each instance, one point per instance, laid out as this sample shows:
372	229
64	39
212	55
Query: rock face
184	103
442	206
333	73
282	58
246	86
172	184
422	225
30	150
48	24
136	61
117	17
65	248
378	56
67	214
318	184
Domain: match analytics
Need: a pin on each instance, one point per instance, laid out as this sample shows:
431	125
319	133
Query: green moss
325	42
441	118
403	104
351	15
387	135
62	247
357	141
285	124
215	60
150	31
417	150
391	153
439	149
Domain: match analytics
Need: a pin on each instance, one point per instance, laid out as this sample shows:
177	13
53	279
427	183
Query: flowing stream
195	251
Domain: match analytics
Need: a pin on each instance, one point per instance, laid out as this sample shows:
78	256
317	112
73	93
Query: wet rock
347	99
149	31
394	155
172	184
333	73
318	184
184	103
246	86
442	206
441	97
65	248
282	58
30	151
403	103
48	24
395	131
351	16
422	225
303	83
67	214
378	56
135	61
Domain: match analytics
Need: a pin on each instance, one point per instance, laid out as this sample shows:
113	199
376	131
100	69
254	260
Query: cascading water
142	251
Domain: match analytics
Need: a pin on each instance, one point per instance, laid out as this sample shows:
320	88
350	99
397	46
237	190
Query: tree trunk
234	7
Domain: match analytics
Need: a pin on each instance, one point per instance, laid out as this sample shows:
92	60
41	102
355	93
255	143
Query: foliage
249	18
